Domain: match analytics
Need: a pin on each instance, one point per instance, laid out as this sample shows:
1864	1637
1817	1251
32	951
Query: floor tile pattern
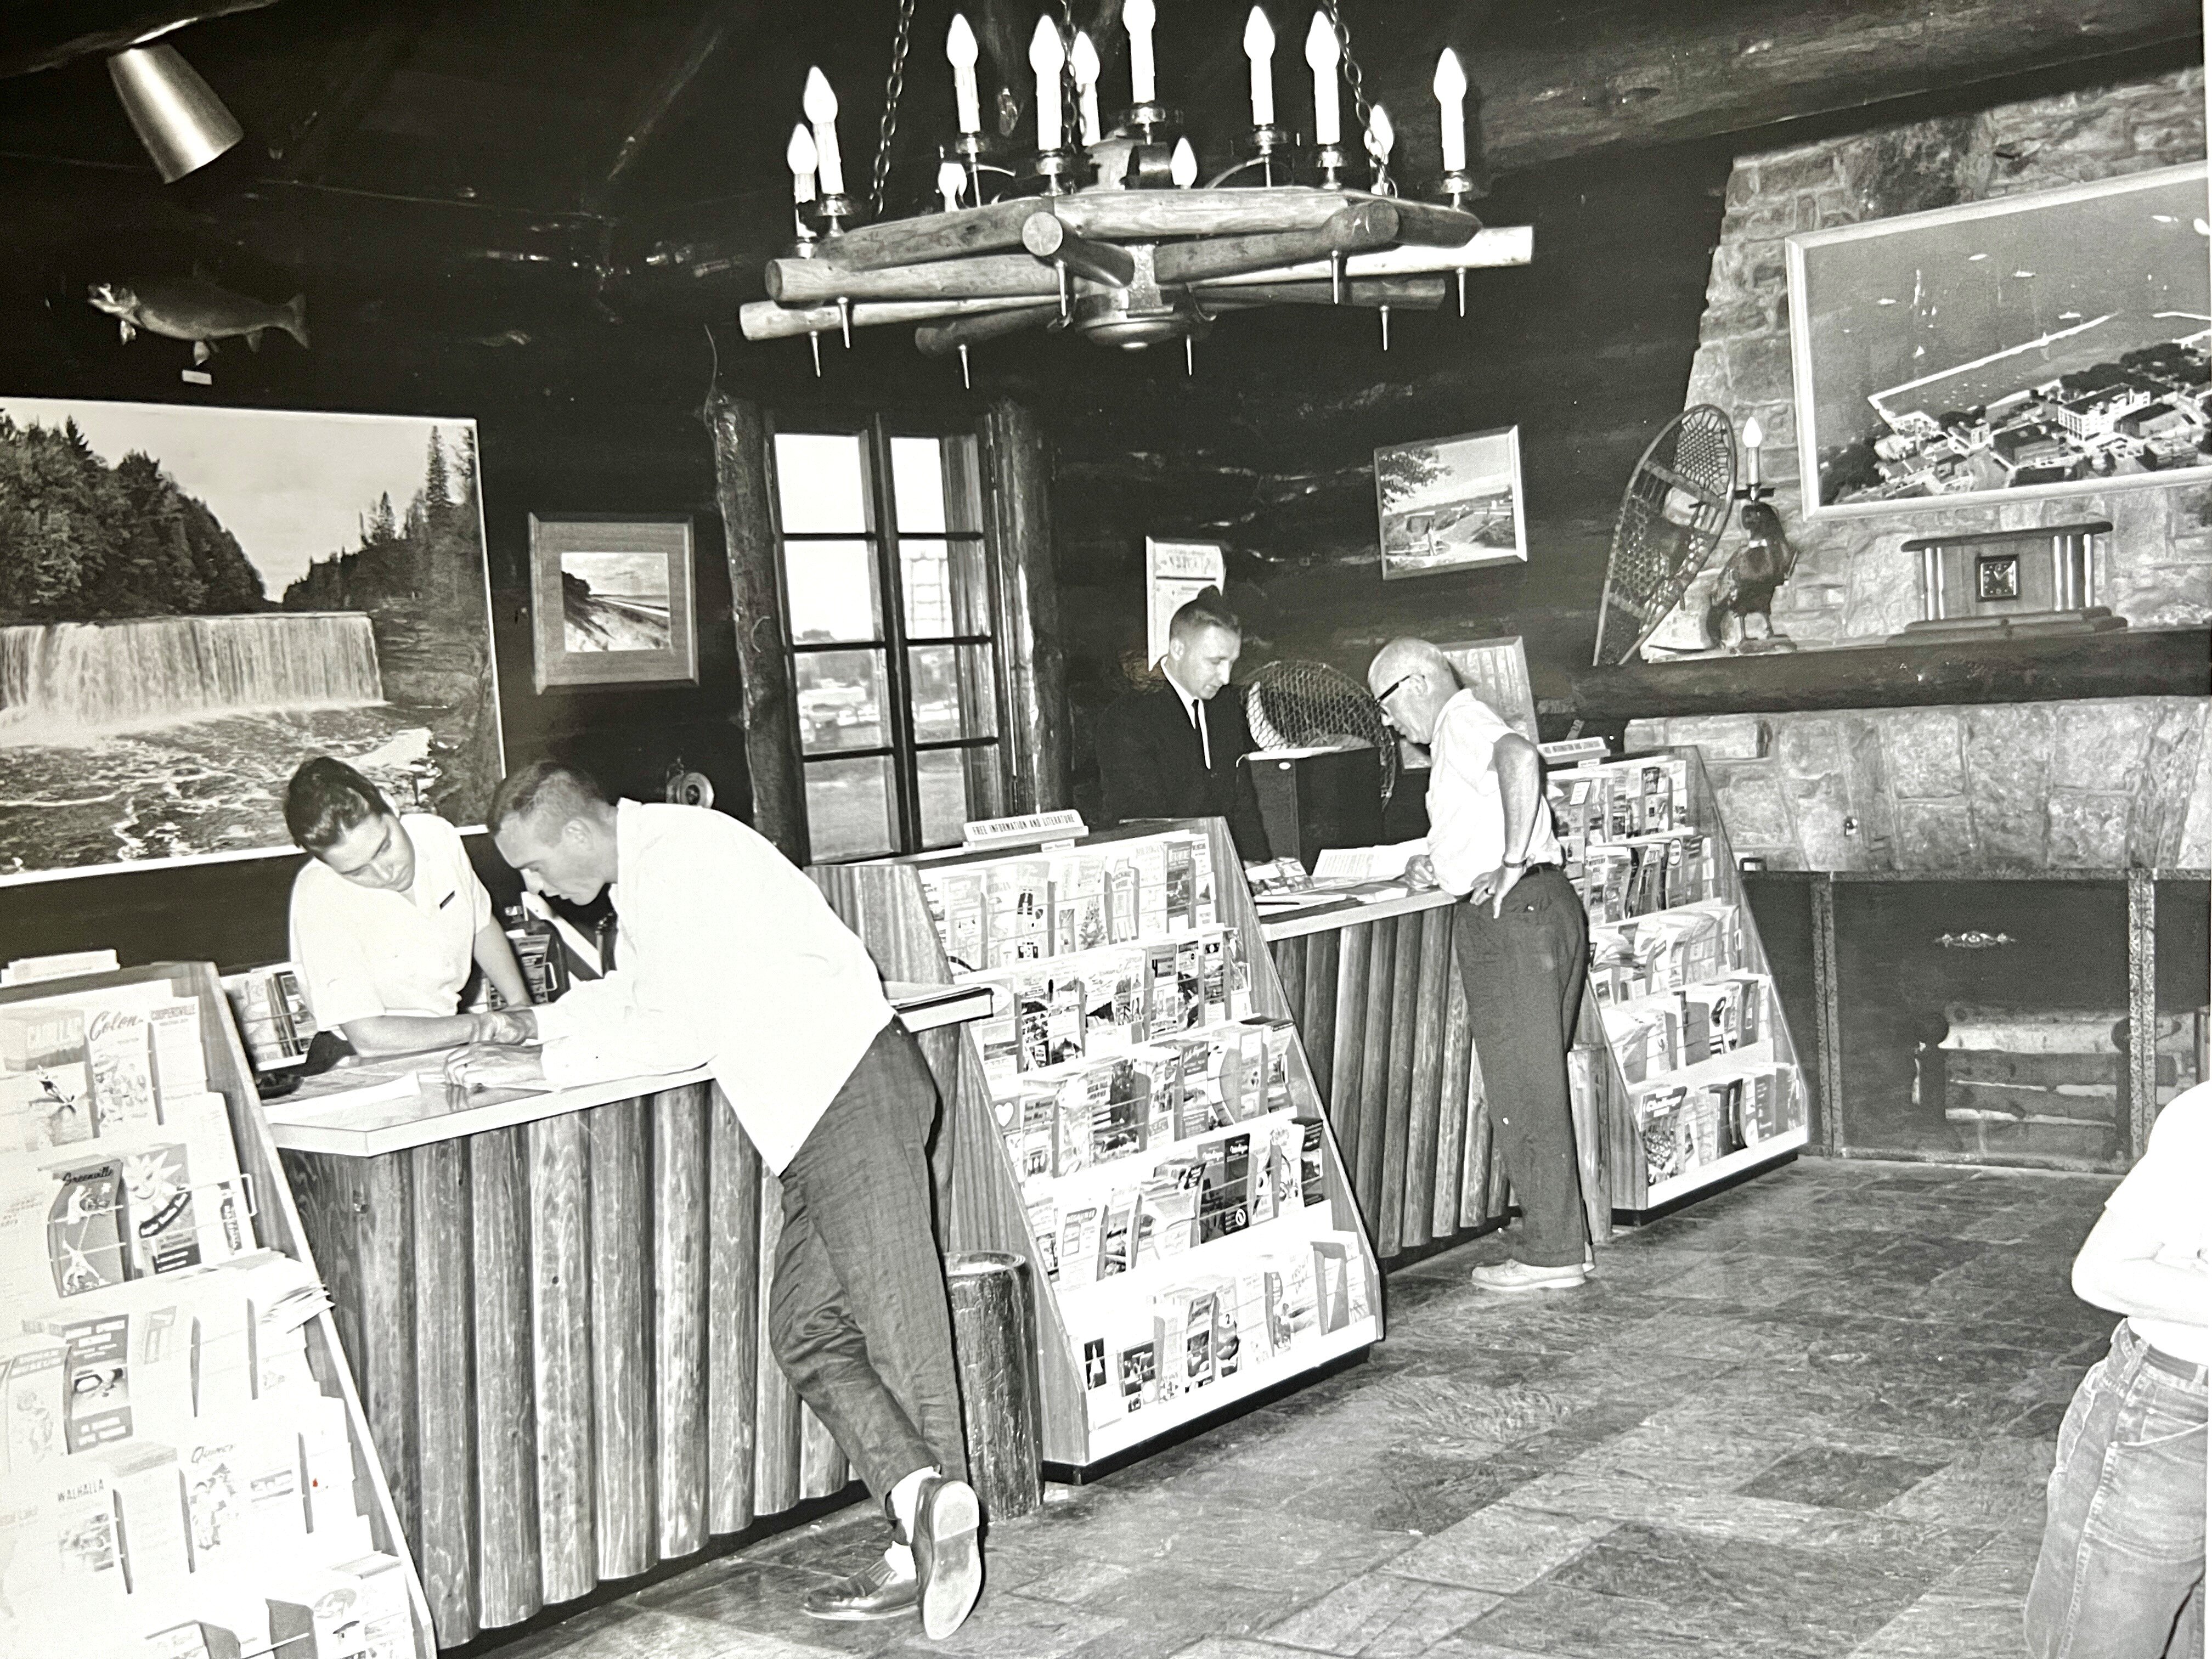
1807	1419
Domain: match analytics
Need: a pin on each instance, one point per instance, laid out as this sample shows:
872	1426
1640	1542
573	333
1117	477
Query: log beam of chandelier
1109	235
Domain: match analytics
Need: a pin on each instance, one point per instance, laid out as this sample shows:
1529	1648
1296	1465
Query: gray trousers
1523	972
857	1315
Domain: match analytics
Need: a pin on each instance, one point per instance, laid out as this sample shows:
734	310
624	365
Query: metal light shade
179	118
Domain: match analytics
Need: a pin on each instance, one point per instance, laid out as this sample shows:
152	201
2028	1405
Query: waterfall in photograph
65	680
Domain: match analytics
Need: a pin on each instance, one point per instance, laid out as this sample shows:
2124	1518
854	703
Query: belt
2159	1360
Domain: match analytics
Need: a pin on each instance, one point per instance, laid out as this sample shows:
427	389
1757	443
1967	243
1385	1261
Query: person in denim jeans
2121	1575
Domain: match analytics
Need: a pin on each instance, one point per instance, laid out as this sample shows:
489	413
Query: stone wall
2092	785
1852	581
2097	784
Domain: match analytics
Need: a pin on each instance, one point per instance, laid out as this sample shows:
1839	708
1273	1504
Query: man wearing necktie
1171	752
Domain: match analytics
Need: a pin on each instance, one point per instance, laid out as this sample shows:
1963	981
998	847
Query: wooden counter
1382	1015
554	1304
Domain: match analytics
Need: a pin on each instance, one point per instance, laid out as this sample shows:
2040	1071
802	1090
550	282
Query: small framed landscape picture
1451	504
611	599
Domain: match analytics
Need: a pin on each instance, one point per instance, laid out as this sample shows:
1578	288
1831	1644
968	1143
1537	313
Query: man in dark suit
1170	751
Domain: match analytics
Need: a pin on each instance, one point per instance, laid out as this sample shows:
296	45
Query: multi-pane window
887	596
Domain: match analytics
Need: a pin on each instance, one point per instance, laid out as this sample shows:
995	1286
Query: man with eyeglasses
1520	938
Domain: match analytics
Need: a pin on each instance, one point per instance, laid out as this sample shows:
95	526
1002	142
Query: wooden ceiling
631	150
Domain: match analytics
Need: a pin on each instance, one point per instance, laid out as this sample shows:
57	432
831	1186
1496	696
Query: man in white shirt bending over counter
1522	940
386	917
2121	1575
727	955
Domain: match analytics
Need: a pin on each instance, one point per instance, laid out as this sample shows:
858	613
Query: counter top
1346	912
394	1104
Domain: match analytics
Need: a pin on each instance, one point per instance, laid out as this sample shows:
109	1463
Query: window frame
881	534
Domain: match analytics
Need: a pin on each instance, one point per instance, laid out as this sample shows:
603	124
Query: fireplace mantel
2134	662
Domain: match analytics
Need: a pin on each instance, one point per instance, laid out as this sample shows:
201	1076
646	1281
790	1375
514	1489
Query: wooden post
1017	527
622	1337
733	1326
680	1318
561	1348
1318	1029
1366	1164
2142	1010
1431	1003
445	1407
776	1421
509	1581
1452	1125
1388	1218
769	712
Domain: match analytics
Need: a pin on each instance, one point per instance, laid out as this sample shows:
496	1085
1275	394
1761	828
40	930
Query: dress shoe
1520	1276
875	1592
948	1554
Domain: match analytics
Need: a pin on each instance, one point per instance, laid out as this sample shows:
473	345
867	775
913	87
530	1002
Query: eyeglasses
1396	686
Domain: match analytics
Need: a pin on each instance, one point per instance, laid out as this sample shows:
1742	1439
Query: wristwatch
1512	861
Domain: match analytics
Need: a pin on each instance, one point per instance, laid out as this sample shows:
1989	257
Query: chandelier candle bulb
1381	138
1260	47
1321	52
1182	165
1450	88
952	179
960	52
1083	60
799	155
821	107
1753	436
1047	57
1138	16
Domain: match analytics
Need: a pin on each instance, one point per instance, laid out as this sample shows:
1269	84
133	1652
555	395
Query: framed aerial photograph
1451	504
194	600
2033	345
610	599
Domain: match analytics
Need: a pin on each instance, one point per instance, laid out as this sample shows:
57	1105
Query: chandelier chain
879	183
1351	76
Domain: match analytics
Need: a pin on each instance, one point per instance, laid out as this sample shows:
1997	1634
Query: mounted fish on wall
198	310
192	600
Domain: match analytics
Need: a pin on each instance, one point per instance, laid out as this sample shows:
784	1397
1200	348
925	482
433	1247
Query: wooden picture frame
1448	504
611	600
2003	351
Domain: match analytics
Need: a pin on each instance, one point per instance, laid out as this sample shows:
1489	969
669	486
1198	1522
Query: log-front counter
1380	1008
553	1304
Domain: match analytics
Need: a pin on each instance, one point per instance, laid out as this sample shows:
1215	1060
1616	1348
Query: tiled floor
1809	1417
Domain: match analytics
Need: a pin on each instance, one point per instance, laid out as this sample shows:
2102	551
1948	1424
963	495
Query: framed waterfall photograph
611	599
2026	346
1449	504
194	600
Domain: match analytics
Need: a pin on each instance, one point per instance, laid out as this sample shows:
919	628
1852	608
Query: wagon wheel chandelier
1106	232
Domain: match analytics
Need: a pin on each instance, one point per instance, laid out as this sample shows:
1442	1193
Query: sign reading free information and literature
1176	573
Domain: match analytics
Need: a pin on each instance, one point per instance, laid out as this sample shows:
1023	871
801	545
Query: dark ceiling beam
716	23
365	63
1662	74
43	37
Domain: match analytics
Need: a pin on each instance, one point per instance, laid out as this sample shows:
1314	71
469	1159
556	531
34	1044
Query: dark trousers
857	1316
1523	972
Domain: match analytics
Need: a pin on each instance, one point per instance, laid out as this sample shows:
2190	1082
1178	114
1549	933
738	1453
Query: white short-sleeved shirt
1467	810
367	951
2164	1195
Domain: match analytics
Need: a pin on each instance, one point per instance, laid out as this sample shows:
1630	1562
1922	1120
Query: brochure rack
256	1530
1161	1117
1702	1076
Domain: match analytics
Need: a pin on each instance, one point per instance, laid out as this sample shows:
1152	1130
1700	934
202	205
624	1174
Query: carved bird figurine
1747	582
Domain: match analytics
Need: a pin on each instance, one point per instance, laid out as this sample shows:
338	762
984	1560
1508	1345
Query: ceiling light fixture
1109	235
179	118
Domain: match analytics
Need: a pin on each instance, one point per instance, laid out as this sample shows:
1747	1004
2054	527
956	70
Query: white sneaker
1520	1276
